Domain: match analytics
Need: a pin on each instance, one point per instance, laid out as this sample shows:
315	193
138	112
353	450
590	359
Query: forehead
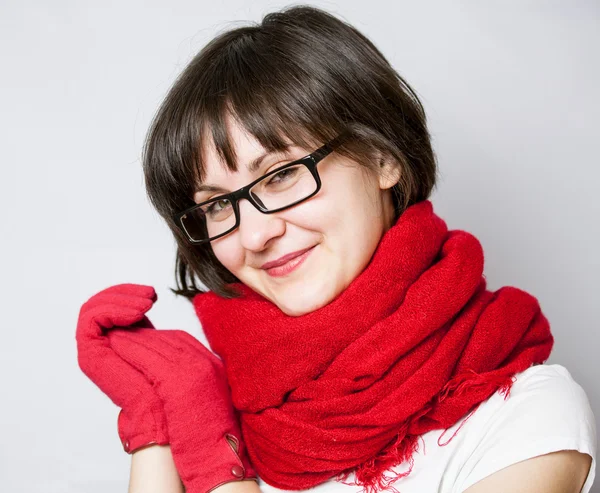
247	152
244	147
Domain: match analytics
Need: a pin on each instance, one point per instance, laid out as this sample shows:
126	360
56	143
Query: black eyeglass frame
310	161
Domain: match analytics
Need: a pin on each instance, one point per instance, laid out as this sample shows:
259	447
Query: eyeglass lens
276	191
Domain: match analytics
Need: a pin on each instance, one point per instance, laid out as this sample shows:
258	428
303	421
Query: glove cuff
228	462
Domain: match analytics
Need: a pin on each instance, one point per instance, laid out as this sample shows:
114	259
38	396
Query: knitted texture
413	344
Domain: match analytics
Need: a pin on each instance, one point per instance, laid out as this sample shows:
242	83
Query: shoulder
553	390
546	411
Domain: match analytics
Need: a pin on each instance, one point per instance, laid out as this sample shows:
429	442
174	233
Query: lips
285	259
289	263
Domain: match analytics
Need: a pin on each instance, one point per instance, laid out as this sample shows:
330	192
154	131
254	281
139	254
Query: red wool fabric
413	344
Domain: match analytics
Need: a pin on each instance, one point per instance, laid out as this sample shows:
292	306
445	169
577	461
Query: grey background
511	92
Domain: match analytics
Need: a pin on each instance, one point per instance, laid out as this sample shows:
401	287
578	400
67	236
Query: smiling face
341	226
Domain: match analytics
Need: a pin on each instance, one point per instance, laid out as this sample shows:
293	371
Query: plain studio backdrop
511	93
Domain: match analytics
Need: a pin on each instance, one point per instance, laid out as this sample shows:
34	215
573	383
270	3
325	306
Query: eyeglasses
279	189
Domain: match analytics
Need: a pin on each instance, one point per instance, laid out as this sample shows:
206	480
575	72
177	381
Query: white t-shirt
546	411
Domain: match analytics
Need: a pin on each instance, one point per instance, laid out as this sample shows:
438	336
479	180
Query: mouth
290	263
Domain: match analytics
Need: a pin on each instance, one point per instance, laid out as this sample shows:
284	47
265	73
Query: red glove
141	420
192	384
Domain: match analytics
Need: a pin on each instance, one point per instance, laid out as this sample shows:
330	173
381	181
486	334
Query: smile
290	265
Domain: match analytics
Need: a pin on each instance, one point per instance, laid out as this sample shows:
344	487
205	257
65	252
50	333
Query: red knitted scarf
413	344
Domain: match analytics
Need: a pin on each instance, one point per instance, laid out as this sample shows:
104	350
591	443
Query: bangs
273	98
275	136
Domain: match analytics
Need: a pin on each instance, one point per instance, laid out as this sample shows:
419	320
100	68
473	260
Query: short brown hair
300	73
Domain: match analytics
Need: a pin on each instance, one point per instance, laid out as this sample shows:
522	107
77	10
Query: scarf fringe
372	473
470	379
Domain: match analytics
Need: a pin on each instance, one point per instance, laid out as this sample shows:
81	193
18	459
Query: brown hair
302	74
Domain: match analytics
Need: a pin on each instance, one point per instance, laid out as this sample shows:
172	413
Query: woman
356	335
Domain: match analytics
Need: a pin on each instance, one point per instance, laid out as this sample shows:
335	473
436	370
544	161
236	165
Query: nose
257	229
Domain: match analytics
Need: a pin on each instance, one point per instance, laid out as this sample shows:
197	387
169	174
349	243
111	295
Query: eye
284	174
217	206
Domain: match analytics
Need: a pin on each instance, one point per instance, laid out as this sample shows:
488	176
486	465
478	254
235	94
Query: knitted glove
204	430
141	420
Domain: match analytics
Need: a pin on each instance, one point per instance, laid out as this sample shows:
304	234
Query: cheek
347	202
320	219
345	211
229	252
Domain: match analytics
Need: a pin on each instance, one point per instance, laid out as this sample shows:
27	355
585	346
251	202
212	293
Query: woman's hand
204	431
141	420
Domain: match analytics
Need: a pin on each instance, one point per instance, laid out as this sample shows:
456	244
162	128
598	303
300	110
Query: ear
389	172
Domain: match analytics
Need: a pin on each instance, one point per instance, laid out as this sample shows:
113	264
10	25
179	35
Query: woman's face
341	225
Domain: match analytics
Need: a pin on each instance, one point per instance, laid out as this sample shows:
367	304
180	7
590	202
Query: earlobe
389	172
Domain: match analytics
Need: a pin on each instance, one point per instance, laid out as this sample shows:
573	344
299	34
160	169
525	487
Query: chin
303	299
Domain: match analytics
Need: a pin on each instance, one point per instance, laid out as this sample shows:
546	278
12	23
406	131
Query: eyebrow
252	167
